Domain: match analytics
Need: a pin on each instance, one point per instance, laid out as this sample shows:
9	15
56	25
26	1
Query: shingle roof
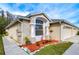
50	20
26	18
17	20
33	14
62	21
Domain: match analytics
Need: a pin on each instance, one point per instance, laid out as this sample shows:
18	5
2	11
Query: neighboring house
39	26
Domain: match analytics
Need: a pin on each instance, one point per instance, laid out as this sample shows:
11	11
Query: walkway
73	50
12	49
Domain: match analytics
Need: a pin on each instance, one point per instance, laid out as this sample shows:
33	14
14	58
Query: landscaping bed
57	49
39	44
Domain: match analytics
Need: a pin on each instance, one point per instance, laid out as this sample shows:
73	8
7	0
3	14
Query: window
39	27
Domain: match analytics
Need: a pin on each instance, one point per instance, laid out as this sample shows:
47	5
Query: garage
67	31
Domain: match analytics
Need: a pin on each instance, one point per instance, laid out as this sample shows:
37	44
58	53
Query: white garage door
66	32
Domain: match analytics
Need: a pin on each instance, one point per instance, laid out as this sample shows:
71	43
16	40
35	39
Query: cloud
14	9
65	11
4	7
21	13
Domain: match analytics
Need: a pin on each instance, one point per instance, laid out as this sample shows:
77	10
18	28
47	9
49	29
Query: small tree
27	41
78	33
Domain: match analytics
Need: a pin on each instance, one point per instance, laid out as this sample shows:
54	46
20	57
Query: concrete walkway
73	50
12	49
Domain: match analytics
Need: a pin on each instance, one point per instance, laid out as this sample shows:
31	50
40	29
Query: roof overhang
31	15
60	21
17	20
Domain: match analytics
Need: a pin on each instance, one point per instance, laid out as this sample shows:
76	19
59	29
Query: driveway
11	48
73	50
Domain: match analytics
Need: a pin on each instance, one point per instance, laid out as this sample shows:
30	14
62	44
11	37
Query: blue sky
69	12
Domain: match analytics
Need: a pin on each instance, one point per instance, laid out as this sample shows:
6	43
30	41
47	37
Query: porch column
44	30
47	31
32	33
32	30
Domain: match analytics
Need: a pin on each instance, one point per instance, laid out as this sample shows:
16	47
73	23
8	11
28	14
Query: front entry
40	29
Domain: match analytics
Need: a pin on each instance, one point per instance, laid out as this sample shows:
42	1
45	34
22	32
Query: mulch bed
39	44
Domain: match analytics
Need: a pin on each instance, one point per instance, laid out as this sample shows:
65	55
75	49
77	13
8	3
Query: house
39	26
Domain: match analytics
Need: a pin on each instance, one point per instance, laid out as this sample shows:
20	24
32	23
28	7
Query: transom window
39	27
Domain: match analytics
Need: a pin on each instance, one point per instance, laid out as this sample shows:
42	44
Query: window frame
38	27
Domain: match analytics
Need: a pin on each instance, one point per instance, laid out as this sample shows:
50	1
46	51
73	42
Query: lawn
1	46
57	49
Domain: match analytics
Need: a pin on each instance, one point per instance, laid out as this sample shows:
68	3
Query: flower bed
39	44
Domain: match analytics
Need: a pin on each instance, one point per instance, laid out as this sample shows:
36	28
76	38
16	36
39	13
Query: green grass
1	46
57	49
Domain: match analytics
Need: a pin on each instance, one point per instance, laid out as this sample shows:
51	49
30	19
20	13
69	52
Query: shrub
38	43
78	33
6	34
49	40
46	41
27	41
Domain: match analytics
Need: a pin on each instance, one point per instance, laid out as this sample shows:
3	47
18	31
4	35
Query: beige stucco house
39	26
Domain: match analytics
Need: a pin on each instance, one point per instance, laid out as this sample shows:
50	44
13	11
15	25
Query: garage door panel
67	33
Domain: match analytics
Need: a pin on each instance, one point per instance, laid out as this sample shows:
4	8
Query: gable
38	15
13	23
16	21
32	18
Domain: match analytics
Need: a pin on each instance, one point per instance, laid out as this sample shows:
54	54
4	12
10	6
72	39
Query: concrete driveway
73	50
12	49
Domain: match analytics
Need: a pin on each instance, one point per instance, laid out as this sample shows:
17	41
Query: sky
66	11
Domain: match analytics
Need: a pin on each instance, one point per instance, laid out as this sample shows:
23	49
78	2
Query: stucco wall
63	31
55	28
26	29
19	31
12	33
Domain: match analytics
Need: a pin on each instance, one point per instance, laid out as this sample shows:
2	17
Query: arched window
39	27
